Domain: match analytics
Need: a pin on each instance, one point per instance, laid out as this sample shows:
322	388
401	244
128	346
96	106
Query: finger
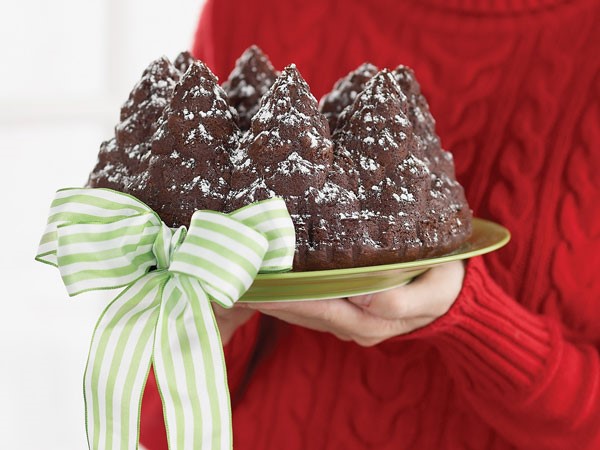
429	295
366	336
342	337
370	334
235	314
307	307
334	315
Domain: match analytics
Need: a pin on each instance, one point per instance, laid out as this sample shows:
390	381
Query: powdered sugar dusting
295	163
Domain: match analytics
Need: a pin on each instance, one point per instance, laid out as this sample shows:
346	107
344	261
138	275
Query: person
500	353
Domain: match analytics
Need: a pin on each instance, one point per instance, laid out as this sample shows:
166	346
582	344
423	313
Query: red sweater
515	88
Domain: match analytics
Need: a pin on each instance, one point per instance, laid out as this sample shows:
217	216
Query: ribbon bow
102	239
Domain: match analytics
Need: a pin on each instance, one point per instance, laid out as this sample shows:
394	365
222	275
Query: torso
517	101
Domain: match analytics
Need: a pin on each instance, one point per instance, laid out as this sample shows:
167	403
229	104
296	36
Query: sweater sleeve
238	353
517	369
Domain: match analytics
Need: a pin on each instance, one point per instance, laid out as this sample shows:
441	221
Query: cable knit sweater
515	88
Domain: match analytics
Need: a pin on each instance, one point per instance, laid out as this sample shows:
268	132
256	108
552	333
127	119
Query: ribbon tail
190	369
118	365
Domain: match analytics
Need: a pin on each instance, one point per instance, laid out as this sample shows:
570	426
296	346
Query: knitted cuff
488	340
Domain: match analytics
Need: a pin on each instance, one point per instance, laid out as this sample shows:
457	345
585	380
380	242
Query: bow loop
271	219
222	253
99	239
88	206
103	256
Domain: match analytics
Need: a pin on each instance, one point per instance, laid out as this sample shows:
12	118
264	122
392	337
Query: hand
371	319
228	320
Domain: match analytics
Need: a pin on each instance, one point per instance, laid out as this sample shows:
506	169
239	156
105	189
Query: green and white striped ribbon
103	239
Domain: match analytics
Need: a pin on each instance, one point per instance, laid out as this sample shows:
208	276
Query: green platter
323	284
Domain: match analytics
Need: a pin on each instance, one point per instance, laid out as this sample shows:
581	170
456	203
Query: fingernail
362	300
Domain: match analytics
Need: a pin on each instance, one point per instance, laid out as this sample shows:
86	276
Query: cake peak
250	79
288	148
120	157
183	61
158	77
252	61
423	122
407	80
198	113
384	83
200	73
254	52
344	92
379	109
289	102
189	166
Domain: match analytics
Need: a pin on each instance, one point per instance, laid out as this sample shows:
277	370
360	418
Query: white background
67	65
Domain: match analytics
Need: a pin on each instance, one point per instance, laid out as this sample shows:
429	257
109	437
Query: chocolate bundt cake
381	190
250	79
